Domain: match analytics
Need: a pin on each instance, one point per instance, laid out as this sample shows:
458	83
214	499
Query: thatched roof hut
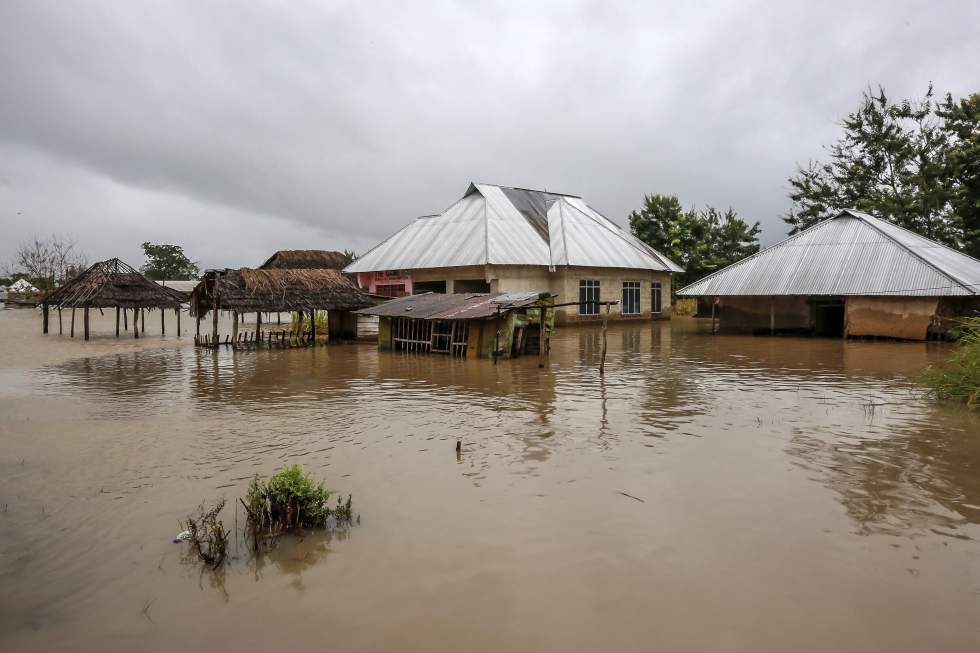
276	290
108	284
251	291
306	259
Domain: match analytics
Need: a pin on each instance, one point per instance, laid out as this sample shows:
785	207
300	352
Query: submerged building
498	239
850	275
469	325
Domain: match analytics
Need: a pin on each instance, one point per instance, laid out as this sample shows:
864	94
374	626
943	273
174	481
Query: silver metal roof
498	225
462	306
852	253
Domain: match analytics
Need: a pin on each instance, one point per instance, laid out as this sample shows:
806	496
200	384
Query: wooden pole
44	317
602	361
142	321
214	323
86	322
117	321
72	321
234	326
60	330
177	311
312	327
136	324
163	326
125	319
278	317
258	326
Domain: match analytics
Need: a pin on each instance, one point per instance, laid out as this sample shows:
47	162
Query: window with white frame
631	298
588	295
656	297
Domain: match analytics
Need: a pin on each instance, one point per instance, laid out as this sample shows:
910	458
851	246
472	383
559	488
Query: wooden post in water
163	326
117	321
136	324
72	321
60	331
177	311
44	317
714	303
214	325
258	326
142	321
602	361
234	327
313	328
278	317
125	313
86	322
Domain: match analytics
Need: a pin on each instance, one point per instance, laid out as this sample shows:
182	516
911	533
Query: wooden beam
117	321
72	321
60	330
136	324
44	317
86	322
177	311
602	361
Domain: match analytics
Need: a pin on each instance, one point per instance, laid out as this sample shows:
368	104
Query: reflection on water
757	462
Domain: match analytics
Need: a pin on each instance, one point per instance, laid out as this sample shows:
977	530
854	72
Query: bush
959	376
291	500
208	537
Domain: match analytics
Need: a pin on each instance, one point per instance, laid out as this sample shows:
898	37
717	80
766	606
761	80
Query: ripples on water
674	405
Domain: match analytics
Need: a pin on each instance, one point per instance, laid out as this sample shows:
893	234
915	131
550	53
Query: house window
588	295
656	297
631	298
390	289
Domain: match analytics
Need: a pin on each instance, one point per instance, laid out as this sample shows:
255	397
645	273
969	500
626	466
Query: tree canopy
699	240
48	262
168	262
914	162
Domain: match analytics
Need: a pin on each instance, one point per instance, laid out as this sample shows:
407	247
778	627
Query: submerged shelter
305	259
499	325
111	284
498	239
275	290
851	275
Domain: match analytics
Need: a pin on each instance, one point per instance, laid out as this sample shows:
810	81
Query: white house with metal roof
500	239
851	275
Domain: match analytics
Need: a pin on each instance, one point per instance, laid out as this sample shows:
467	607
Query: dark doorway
471	285
420	287
828	317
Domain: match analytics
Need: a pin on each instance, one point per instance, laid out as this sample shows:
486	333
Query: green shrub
958	377
291	500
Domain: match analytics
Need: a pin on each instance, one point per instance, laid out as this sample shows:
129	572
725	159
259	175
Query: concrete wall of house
890	317
757	314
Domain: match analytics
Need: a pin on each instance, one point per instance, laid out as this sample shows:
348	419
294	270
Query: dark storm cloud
237	128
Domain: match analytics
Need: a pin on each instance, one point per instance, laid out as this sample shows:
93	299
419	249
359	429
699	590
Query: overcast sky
238	128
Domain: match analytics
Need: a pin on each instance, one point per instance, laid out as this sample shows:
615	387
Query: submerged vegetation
290	501
958	377
207	535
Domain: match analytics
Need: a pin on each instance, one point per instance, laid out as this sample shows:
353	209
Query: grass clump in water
208	537
291	500
958	377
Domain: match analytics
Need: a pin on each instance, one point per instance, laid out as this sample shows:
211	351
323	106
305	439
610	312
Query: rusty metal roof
499	225
462	306
852	253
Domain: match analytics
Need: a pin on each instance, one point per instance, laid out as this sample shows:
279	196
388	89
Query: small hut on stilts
276	290
110	284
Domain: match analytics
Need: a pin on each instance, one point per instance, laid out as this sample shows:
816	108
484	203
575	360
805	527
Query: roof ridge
618	232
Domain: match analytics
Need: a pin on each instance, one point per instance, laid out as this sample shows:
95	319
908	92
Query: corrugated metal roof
499	225
850	254
463	306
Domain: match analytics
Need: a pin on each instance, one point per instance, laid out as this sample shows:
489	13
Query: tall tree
700	241
910	162
168	262
961	123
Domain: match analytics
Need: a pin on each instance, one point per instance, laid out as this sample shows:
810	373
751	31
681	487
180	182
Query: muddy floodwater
711	493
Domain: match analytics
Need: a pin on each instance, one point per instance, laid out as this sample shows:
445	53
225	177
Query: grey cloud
235	127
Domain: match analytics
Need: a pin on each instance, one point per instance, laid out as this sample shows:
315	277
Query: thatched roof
112	283
305	259
248	290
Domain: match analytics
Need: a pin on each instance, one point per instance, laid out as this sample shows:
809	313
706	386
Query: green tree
168	262
961	123
912	162
700	241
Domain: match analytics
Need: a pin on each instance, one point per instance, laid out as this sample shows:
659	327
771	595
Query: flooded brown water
790	495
